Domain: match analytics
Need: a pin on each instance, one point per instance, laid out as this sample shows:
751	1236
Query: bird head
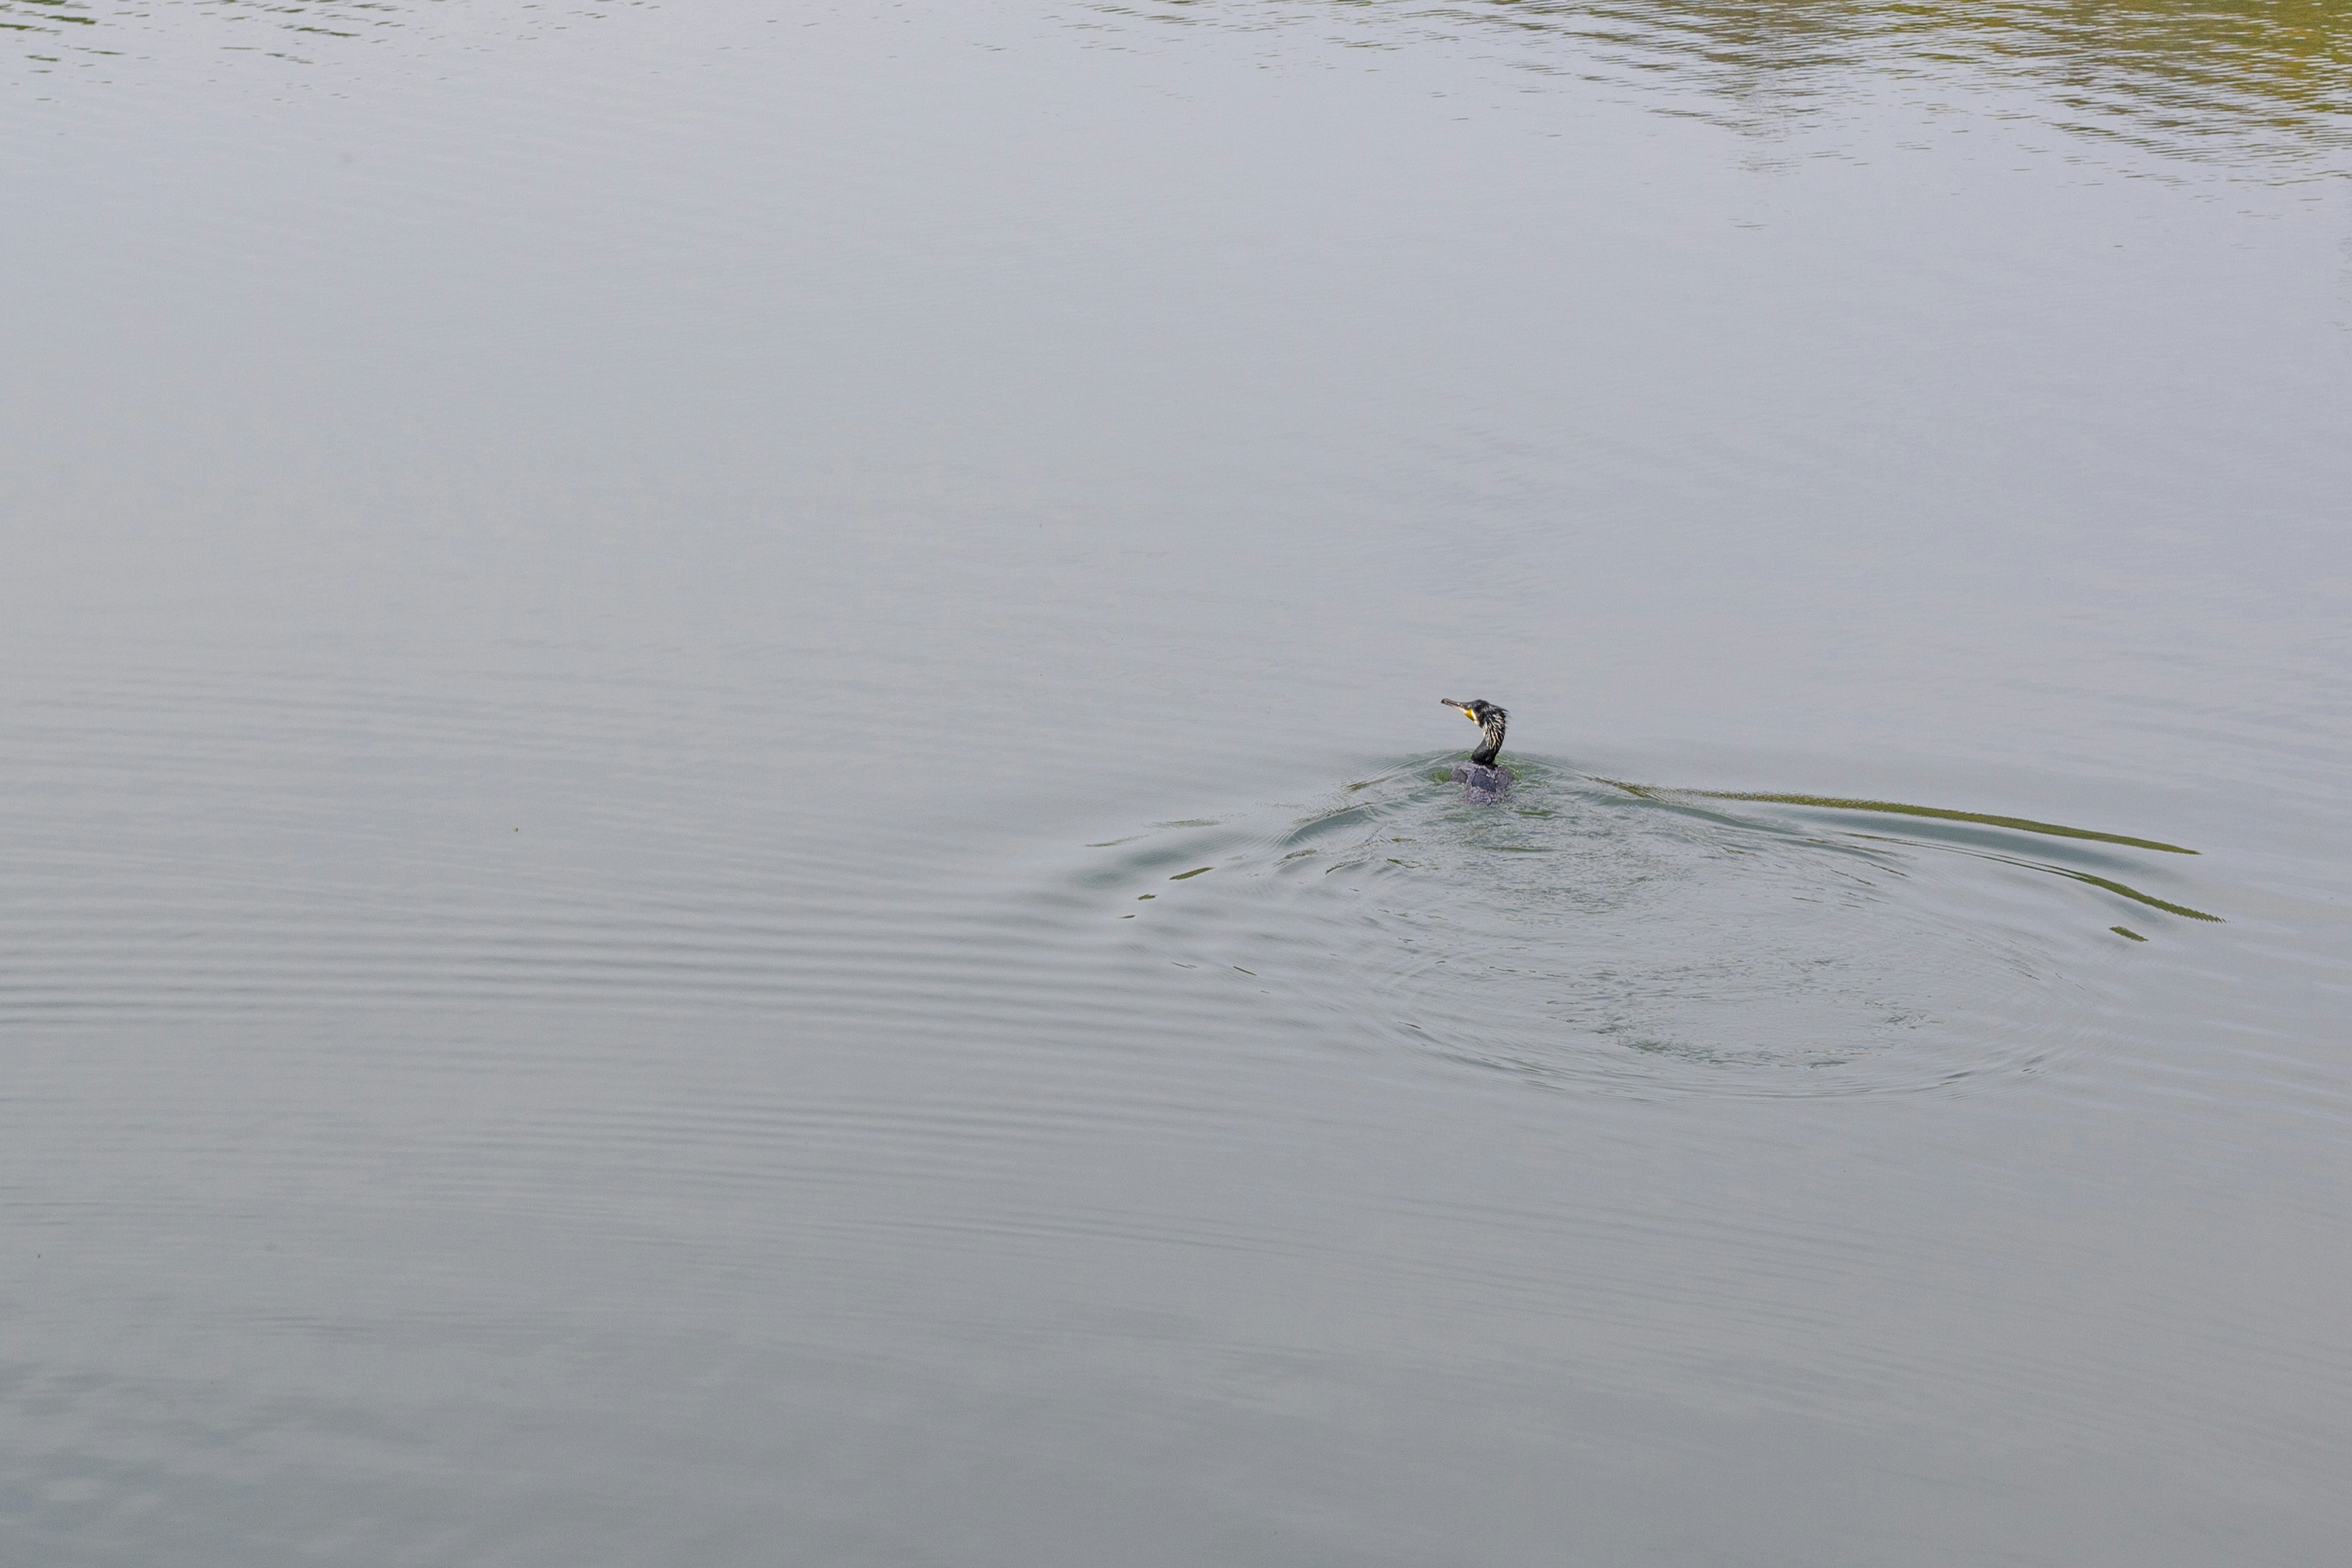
1490	719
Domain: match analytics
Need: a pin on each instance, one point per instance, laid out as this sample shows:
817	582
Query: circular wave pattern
1591	933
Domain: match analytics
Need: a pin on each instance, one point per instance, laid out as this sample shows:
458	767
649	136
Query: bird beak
1461	707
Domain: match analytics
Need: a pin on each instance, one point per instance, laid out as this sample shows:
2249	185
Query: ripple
1640	941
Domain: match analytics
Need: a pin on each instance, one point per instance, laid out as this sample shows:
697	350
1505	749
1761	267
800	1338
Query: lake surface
723	834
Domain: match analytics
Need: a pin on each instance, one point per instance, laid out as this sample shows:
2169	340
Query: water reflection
325	18
2226	81
53	34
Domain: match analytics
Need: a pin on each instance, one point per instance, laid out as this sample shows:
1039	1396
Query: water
722	822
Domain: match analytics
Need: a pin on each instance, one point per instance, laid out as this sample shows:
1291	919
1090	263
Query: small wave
1641	939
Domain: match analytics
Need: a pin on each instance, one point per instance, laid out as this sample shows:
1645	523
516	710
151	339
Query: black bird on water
1481	777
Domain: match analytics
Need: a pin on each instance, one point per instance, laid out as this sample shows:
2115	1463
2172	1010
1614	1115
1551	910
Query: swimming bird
1482	778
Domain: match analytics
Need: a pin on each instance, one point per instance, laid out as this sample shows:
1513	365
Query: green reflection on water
2218	80
1944	814
2108	883
2296	53
2134	893
1900	808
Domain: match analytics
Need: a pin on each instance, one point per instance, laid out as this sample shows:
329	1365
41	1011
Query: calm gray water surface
721	825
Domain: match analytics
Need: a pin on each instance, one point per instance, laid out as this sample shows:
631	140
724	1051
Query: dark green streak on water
2111	886
1898	808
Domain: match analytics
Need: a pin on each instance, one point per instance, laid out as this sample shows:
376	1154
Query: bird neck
1490	745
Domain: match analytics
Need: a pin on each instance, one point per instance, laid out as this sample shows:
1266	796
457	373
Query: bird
1482	778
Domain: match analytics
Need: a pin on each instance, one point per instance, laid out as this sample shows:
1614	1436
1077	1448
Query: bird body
1481	782
1482	778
